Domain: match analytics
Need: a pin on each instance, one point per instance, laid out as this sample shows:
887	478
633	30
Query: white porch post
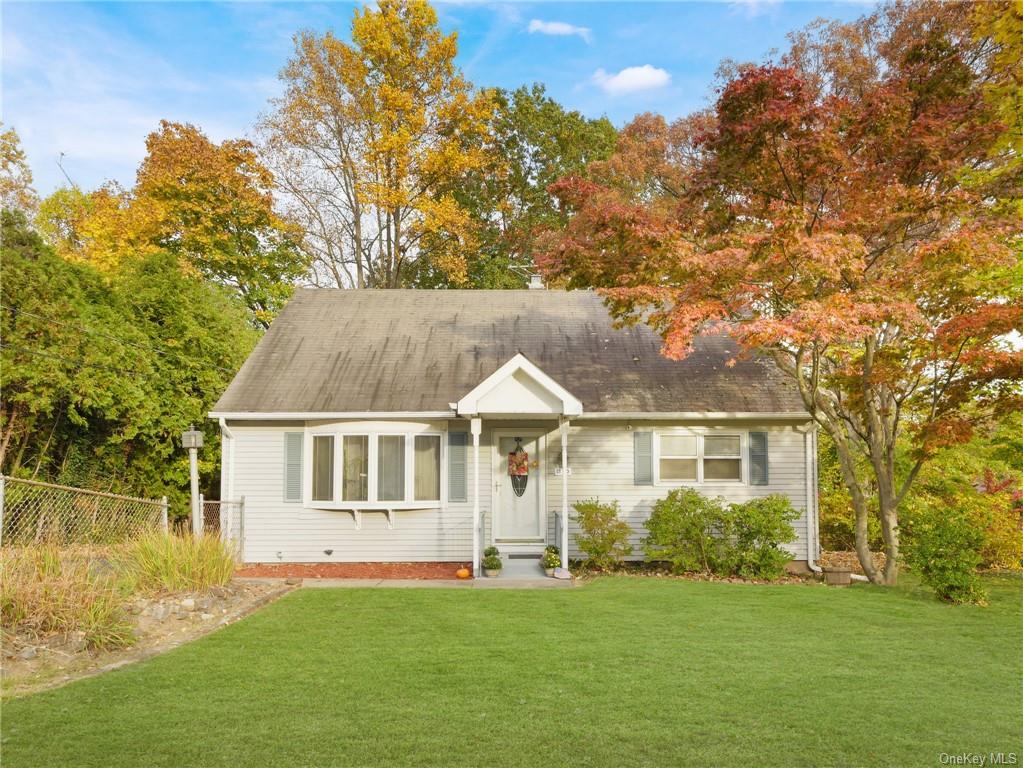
564	491
476	428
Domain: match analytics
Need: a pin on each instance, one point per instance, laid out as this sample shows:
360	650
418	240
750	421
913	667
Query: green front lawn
624	671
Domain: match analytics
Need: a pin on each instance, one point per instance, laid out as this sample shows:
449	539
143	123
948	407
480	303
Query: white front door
519	518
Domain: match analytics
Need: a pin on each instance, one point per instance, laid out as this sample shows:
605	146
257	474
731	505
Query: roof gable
519	388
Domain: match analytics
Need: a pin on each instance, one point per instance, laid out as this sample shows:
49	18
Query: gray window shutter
643	458
758	458
458	466
293	466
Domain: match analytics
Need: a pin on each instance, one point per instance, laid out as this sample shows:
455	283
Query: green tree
536	141
101	372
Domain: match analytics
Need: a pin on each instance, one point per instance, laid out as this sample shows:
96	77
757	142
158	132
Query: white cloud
632	80
753	8
559	29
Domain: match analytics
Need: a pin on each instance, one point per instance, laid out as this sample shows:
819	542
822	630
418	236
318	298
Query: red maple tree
827	213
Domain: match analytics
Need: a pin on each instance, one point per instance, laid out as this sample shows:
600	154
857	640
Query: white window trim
743	436
372	503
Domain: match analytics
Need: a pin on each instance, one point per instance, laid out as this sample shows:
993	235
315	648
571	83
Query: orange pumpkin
463	573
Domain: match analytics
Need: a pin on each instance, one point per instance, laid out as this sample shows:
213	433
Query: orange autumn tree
823	214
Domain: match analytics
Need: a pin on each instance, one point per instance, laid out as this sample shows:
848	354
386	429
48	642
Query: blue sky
92	79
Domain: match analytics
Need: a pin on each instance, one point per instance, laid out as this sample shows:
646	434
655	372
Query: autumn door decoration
518	468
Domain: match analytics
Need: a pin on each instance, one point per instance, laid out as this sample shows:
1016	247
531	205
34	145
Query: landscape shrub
168	563
602	537
684	530
696	533
943	544
44	591
755	531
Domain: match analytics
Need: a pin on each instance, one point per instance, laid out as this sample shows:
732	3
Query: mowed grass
624	671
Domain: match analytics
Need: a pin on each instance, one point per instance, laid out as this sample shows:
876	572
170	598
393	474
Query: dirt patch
432	570
36	663
850	560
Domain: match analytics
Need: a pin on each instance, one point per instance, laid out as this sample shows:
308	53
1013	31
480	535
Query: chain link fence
37	513
225	518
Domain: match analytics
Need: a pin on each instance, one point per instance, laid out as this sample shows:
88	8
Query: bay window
355	468
376	470
323	468
427	485
391	468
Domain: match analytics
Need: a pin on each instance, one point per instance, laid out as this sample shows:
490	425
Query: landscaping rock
75	642
206	616
293	581
101	567
188	604
158	611
27	653
220	592
179	615
203	603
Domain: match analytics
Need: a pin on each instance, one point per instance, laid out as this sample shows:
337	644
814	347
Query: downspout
227	489
812	522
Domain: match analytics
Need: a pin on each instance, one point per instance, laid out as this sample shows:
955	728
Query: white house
377	426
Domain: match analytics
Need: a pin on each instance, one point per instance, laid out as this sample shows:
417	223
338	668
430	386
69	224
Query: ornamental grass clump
46	591
159	562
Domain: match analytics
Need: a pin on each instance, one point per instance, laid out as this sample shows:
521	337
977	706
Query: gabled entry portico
519	391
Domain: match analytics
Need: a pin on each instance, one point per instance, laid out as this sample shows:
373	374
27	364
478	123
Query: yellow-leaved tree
211	205
368	140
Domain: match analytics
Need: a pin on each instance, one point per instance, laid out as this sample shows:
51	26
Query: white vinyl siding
600	455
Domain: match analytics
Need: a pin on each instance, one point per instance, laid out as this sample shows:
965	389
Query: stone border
283	588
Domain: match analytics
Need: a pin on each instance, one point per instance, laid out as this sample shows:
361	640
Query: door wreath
518	468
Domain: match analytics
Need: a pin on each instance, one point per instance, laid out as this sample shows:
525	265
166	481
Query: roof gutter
695	415
305	415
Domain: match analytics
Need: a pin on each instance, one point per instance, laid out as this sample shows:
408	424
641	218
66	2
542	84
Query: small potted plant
491	562
551	559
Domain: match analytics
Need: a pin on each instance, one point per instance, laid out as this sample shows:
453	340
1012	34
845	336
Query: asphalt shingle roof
419	350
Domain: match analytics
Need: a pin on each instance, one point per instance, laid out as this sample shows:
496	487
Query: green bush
492	562
684	531
491	551
755	529
695	533
603	538
944	546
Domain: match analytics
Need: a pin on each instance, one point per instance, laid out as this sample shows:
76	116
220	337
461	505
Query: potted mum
551	559
491	562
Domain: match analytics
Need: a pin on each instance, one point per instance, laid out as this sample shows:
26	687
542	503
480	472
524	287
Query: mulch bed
431	570
850	560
